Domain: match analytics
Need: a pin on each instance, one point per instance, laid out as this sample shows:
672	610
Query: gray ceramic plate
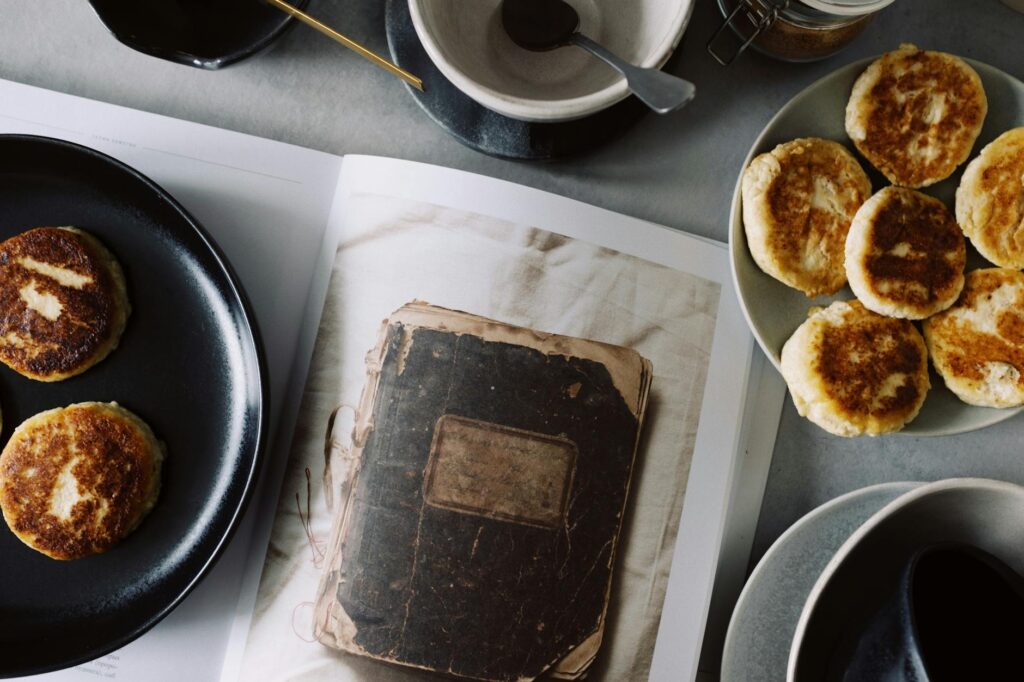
774	311
766	614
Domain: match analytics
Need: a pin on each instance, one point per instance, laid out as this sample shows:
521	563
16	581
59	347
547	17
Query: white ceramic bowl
983	513
466	41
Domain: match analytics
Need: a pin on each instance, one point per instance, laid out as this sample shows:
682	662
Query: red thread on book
299	632
307	523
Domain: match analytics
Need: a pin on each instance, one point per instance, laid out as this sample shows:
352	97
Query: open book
334	250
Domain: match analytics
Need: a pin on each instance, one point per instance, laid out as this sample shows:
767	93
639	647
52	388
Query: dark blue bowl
206	34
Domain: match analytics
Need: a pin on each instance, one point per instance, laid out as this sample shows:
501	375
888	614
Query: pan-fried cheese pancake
63	302
977	345
915	114
905	254
854	372
798	201
76	480
990	200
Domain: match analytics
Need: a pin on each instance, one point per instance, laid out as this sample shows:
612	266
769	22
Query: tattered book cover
479	531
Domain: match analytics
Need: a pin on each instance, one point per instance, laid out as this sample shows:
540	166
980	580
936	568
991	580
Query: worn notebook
478	537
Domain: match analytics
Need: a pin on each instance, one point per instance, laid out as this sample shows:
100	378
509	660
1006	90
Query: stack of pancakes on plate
75	480
860	367
63	302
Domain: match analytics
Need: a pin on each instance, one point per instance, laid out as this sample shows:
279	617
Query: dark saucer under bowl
487	131
200	33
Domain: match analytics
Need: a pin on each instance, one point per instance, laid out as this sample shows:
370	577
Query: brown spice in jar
790	40
799	43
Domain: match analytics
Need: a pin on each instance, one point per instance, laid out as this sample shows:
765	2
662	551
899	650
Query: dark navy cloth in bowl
956	614
207	34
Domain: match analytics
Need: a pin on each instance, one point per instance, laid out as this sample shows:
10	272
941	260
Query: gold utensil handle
349	43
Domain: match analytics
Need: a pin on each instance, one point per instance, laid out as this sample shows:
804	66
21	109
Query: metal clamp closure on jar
759	14
792	30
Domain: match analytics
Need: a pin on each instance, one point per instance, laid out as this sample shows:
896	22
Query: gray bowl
774	311
764	620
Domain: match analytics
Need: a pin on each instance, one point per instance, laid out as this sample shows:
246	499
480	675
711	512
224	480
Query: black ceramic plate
207	34
487	131
189	363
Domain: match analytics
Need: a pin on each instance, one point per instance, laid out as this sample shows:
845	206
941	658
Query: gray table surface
677	170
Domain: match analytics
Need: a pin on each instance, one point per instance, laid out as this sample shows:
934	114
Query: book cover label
499	472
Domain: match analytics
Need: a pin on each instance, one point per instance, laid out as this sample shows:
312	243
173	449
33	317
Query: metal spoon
541	25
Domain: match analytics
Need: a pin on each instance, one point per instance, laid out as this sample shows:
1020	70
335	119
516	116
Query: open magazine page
575	278
277	212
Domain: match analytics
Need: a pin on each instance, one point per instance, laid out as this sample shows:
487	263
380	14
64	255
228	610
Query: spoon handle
661	91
